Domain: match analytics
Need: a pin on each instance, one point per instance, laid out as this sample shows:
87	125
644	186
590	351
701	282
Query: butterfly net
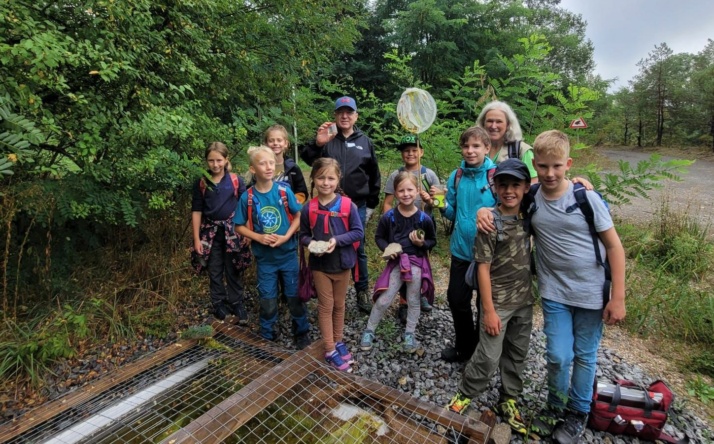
416	110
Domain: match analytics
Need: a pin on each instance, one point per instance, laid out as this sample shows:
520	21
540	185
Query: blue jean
268	277
572	338
361	281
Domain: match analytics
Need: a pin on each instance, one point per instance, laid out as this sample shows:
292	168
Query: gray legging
386	299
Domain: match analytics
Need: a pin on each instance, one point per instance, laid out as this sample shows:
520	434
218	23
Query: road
692	196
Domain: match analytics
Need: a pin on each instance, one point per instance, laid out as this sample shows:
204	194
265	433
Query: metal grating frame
241	389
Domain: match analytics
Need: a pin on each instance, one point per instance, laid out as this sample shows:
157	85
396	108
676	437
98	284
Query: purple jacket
404	262
344	257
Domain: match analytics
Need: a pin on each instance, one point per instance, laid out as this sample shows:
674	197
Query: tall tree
655	81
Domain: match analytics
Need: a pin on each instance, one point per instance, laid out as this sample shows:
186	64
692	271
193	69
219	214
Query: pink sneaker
344	353
335	360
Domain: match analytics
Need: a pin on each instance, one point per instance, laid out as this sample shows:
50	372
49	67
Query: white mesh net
416	110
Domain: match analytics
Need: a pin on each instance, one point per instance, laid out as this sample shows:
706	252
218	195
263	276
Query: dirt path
693	195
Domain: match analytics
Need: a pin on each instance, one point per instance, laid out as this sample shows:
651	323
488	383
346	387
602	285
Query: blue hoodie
474	193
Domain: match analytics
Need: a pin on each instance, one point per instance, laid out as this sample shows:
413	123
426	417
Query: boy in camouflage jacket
506	312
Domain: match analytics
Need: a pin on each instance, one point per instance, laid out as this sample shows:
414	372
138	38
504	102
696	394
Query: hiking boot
425	304
509	413
450	354
363	302
410	343
571	429
545	421
335	360
367	339
344	353
459	403
402	312
238	310
302	341
220	311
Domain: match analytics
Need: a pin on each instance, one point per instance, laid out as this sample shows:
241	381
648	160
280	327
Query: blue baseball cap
349	102
513	167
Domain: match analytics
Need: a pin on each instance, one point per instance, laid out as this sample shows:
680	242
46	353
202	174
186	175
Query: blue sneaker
335	360
367	338
410	343
344	353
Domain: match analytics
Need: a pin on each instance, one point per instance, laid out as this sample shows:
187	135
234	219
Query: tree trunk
627	129
639	134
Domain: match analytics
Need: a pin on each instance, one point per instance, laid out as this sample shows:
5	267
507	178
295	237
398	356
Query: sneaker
402	313
335	360
571	429
302	341
450	354
363	302
410	343
367	339
545	421
459	403
344	353
425	304
508	411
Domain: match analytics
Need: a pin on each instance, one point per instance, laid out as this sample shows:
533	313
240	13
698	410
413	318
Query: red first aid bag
625	408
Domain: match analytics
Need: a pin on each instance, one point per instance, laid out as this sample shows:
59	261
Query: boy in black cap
412	152
506	312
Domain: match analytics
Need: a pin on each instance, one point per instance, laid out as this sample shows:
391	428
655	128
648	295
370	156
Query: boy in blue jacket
468	189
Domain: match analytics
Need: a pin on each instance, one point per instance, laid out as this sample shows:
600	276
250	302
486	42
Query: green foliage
701	389
197	332
666	295
702	363
30	349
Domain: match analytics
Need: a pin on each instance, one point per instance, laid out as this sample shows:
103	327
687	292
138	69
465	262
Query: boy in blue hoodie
468	189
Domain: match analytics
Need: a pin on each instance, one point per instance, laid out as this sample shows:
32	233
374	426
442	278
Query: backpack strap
250	209
234	178
236	183
343	214
514	149
586	208
498	221
284	199
457	178
491	183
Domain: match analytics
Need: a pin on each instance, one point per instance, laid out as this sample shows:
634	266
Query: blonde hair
320	165
221	149
402	176
277	127
254	151
477	132
552	143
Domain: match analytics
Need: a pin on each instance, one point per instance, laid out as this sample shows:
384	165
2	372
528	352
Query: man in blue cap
361	179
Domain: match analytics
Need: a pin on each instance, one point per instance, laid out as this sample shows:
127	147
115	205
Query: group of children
510	214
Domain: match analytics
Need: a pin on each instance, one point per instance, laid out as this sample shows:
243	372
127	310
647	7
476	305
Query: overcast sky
625	31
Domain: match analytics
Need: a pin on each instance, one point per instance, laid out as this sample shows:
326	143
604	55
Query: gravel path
693	195
425	376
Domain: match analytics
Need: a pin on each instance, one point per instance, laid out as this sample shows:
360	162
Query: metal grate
241	389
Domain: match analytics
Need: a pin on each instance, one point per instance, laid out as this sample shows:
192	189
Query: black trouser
459	296
220	265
